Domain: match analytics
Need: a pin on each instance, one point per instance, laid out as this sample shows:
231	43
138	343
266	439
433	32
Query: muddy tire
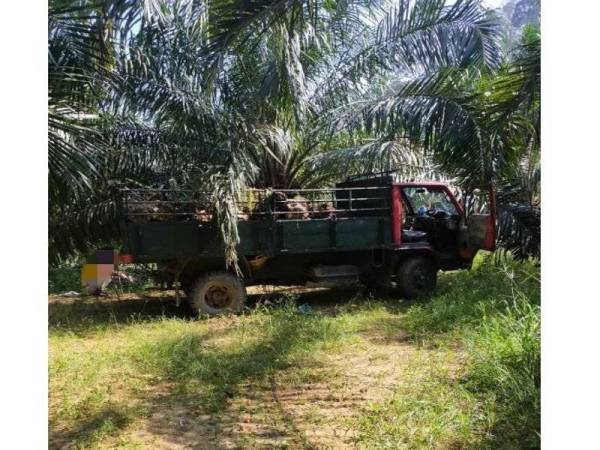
216	293
417	277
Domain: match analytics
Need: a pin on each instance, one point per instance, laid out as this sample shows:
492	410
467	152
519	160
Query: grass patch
491	315
462	369
429	409
109	370
214	366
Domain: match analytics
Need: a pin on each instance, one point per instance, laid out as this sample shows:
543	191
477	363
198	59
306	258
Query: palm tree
482	128
263	93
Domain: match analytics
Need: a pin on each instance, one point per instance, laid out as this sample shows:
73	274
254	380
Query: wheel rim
218	296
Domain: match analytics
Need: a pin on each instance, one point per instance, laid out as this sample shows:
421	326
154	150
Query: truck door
476	233
478	229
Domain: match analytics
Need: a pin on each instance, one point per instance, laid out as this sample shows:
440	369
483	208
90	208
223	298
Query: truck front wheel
218	292
417	277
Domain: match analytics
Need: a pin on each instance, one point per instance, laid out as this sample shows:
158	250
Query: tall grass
492	314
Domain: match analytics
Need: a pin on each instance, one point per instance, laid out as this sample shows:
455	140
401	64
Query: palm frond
417	38
398	156
433	35
231	22
436	112
81	227
519	228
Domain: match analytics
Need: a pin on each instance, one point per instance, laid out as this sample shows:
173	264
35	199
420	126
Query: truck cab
429	217
430	211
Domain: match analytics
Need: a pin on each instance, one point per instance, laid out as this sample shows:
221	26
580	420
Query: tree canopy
285	94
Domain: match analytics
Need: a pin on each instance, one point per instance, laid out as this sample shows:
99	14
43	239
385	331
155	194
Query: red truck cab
433	209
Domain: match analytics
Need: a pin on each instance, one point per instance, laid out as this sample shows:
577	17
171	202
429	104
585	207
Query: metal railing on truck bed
153	205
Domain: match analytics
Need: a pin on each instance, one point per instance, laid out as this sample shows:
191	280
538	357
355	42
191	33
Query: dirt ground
314	416
316	412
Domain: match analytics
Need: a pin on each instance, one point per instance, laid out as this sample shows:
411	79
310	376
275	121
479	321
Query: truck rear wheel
417	277
218	292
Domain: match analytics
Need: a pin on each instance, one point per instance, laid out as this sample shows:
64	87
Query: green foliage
505	367
494	314
64	278
145	92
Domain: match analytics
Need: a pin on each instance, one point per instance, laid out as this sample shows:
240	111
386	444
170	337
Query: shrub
64	278
493	313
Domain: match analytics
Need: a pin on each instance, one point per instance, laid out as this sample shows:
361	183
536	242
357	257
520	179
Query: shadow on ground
110	419
81	314
195	404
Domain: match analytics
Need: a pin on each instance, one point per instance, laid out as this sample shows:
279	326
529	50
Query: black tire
416	277
216	293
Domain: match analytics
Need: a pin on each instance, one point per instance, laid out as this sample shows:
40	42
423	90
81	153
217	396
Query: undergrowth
492	314
469	377
64	278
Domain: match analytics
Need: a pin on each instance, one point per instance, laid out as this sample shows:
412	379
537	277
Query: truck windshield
424	200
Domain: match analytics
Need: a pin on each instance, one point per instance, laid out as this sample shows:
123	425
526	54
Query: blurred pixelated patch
96	274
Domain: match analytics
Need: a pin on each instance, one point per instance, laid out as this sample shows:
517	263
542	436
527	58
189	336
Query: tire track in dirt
277	414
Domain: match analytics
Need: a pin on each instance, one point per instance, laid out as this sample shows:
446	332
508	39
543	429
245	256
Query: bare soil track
311	405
